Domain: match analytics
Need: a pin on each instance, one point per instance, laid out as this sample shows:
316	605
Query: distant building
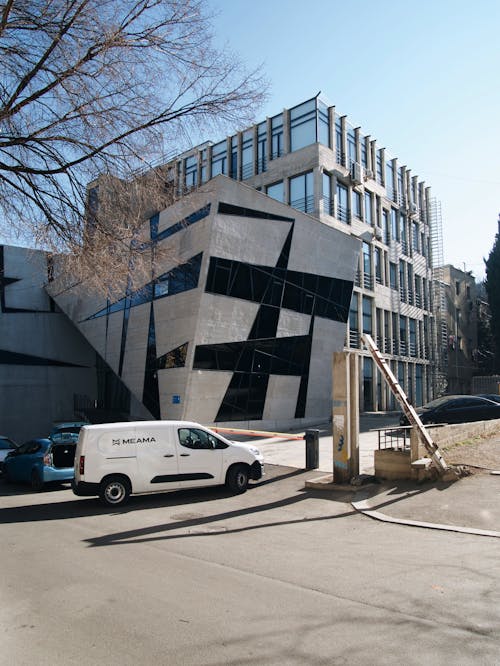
461	322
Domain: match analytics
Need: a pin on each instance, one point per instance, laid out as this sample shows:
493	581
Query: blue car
40	461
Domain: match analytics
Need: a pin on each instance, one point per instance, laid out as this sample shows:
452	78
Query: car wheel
36	480
237	478
114	491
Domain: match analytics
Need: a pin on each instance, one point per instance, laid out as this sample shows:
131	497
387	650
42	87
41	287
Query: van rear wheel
114	491
237	478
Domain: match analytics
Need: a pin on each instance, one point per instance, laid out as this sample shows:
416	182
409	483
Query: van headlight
253	450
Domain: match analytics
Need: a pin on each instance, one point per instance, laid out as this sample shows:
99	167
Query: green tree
492	284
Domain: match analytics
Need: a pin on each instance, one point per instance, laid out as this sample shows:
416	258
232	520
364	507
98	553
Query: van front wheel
237	478
114	491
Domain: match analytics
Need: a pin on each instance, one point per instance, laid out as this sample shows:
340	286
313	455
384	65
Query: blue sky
423	79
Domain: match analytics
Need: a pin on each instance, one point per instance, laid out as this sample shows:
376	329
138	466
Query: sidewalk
470	504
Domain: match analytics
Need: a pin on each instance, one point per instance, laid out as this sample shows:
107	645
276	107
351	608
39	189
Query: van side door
157	458
201	456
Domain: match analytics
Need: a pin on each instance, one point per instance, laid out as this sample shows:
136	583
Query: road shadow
8	489
70	507
210	525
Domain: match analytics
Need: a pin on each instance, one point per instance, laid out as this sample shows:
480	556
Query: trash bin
312	449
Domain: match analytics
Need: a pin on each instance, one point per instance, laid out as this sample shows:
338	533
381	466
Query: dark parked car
40	461
6	446
457	409
491	396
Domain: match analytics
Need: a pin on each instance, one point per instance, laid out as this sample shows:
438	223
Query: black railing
396	438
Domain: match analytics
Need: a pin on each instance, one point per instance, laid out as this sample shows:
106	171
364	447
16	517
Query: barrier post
345	417
312	449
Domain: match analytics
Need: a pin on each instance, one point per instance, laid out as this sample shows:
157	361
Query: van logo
134	440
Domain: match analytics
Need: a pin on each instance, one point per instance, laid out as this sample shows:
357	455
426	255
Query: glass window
303	125
262	147
394	224
401	375
219	159
364	151
401	187
395	333
402	280
276	191
247	155
301	192
327	193
193	438
204	171
392	276
277	136
356	204
353	312
419	395
342	205
367	314
402	232
191	171
413	337
385	226
415	236
338	139
323	124
234	157
367	266
367	384
378	265
402	335
351	146
389	180
380	168
368	207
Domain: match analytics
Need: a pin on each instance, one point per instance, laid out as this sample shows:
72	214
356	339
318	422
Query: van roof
128	425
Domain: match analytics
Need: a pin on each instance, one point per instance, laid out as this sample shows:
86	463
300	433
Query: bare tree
93	87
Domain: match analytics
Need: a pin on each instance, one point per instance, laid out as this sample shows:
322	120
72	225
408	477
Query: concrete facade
45	362
461	321
241	318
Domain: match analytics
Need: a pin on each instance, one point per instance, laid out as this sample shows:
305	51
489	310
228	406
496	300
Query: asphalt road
279	575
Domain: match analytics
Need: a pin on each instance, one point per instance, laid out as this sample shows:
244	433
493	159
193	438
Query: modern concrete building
461	327
311	158
241	317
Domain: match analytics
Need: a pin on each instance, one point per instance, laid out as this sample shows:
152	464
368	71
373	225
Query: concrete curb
362	505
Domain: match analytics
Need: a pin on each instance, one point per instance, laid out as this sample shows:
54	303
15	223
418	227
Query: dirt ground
477	453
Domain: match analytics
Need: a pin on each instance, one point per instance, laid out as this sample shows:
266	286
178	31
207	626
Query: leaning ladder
431	448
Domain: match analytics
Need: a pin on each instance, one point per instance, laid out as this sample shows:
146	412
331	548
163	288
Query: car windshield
438	402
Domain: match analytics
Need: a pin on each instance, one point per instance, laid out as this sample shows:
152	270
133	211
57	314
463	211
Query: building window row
248	153
390	224
395	334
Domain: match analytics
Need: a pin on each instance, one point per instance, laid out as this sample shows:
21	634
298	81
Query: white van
113	460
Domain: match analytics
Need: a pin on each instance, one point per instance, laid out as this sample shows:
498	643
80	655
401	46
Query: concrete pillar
345	416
